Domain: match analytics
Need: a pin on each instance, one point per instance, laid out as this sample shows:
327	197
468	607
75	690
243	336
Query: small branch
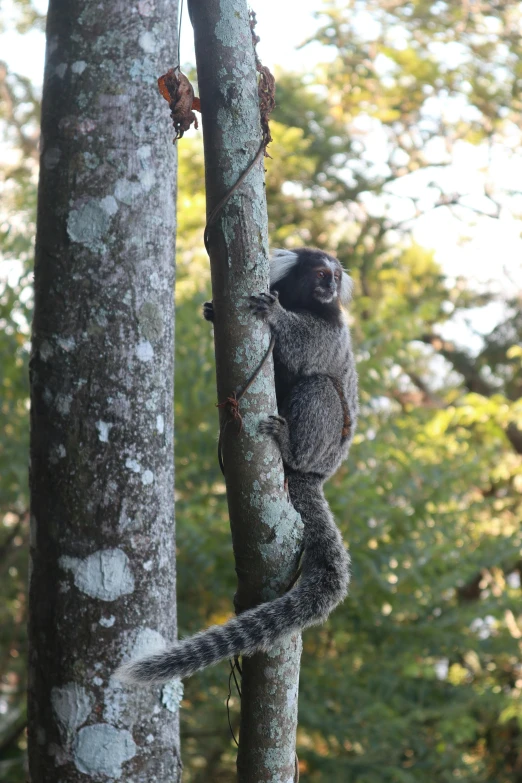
462	363
423	398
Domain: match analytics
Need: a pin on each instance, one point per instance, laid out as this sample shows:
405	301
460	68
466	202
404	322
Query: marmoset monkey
316	386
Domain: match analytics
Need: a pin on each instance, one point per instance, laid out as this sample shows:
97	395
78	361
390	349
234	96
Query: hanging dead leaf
178	91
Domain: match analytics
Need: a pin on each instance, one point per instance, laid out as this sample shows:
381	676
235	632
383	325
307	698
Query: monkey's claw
208	311
273	425
262	303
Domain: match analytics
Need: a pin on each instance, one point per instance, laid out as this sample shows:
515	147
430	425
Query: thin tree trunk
102	525
265	527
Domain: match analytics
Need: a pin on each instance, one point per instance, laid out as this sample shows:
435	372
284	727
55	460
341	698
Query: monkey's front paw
208	311
273	426
263	303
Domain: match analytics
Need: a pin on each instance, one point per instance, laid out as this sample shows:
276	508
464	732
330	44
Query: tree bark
102	476
265	527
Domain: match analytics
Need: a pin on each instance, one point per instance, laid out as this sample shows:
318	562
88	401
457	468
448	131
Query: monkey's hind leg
277	428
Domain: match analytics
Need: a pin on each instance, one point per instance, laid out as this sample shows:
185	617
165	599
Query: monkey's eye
337	275
321	274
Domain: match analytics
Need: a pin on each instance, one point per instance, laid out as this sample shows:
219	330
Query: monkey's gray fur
316	386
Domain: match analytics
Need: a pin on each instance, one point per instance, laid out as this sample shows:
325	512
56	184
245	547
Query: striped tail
323	584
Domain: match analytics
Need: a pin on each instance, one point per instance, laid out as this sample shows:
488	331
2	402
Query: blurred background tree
403	136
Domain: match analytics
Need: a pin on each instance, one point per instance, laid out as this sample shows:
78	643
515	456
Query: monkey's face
326	277
308	278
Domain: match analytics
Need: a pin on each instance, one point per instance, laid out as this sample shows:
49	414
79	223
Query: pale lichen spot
145	7
107	622
115	701
79	66
151	320
160	424
72	705
103	428
148	641
105	574
46	350
109	204
147	42
144	70
101	749
251	426
126	522
60	70
63	404
91	160
51	157
67	344
52	45
133	465
86	126
291	695
144	153
57	453
171	695
147	478
97	680
89	225
148	565
147	179
144	351
127	192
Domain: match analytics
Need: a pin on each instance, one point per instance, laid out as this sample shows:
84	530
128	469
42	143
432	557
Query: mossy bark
265	527
102	475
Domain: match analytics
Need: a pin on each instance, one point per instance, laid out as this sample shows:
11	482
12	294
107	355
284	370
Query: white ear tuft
281	262
346	289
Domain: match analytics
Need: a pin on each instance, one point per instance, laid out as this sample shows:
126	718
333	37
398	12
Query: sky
488	252
282	27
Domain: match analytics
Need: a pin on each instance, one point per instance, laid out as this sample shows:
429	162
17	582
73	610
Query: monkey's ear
281	262
346	289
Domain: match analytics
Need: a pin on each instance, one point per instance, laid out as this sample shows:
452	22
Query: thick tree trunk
102	544
265	527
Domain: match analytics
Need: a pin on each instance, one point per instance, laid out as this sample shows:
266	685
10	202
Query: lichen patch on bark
101	749
105	575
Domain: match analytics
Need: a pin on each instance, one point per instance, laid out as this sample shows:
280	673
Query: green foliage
25	17
417	677
19	119
17	223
